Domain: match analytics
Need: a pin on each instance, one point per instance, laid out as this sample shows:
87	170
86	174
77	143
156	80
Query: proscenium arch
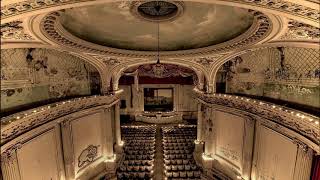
224	59
10	16
117	72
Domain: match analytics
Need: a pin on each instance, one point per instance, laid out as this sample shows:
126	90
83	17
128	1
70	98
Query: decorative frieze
300	31
14	31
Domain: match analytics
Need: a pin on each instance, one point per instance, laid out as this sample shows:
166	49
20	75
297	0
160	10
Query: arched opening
152	89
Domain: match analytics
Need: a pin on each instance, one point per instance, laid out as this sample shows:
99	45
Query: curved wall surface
254	139
67	140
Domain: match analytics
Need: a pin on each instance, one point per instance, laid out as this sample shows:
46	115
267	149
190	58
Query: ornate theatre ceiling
199	25
200	34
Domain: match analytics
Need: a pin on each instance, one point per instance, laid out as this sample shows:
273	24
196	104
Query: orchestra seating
139	149
178	146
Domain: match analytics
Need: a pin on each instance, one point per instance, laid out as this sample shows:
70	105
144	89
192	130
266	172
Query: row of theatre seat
139	152
178	145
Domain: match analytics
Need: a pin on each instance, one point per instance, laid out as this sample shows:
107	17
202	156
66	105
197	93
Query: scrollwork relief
88	155
14	31
298	30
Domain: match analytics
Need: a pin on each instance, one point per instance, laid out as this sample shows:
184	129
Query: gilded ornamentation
14	30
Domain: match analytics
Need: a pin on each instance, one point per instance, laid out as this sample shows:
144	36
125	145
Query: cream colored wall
246	145
54	153
230	136
39	158
86	131
275	156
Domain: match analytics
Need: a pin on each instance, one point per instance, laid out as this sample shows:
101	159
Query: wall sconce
121	143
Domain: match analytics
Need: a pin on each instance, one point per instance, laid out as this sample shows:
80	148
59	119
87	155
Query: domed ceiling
126	25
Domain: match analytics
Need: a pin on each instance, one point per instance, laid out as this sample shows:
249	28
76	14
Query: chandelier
158	68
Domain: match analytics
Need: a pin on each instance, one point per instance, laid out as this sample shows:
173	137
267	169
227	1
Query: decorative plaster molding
9	155
88	155
16	124
53	30
301	31
14	31
10	10
302	123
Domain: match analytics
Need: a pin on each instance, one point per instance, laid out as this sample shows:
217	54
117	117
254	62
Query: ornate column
198	142
68	150
211	88
9	165
110	157
303	166
199	123
119	143
107	130
201	81
209	137
136	81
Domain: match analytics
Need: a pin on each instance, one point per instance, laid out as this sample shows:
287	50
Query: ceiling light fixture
158	68
157	8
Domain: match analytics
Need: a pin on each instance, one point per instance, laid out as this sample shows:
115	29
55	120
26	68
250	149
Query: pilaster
303	166
9	165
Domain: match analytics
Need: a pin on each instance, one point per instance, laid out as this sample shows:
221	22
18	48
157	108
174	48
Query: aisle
158	162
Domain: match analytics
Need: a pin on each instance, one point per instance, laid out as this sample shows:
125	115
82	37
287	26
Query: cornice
19	123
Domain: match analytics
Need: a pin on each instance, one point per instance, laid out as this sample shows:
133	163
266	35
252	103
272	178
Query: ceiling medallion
157	11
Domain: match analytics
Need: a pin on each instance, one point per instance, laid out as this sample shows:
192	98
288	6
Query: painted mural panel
289	74
35	75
